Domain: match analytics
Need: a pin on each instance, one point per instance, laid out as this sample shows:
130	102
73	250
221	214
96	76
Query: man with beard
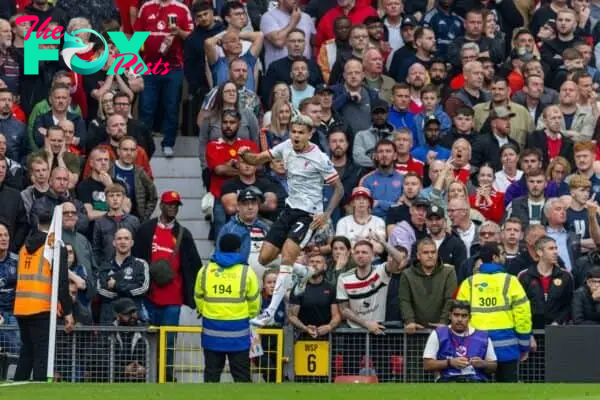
472	93
14	131
451	249
374	26
365	141
487	146
374	77
458	352
521	122
385	183
424	41
407	32
349	172
300	89
438	74
529	208
411	189
474	24
446	24
431	150
552	50
413	228
416	80
10	73
221	158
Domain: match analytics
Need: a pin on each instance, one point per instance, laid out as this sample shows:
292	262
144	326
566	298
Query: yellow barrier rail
269	365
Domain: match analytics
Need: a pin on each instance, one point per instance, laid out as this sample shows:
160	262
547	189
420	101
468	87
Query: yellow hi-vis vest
230	293
34	283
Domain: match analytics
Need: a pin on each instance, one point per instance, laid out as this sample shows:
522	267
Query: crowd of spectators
452	124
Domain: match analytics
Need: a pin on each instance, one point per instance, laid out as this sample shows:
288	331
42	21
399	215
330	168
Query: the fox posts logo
40	47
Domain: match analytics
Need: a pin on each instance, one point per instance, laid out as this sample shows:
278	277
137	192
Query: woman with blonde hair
279	129
558	169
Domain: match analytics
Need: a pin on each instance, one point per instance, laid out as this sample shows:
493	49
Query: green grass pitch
290	391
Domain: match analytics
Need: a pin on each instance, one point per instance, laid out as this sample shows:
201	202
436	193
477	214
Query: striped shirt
367	296
306	173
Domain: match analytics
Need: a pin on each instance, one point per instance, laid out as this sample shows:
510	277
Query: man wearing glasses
489	232
135	128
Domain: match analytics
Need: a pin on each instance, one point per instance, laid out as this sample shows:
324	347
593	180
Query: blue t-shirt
220	70
577	221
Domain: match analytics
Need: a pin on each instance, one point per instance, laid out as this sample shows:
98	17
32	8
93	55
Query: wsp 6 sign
311	358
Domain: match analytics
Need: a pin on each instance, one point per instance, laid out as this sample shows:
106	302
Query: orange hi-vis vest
34	283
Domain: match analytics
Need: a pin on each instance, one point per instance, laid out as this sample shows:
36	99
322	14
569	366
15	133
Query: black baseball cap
409	20
250	193
432	119
323	88
420	201
379	105
435	211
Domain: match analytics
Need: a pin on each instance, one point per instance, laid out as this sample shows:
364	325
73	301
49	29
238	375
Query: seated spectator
487	199
459	352
248	226
314	310
80	243
404	160
58	193
116	128
361	223
278	129
16	135
510	172
9	339
586	300
227	98
365	141
426	289
431	149
59	110
124	276
139	187
106	226
40	177
385	183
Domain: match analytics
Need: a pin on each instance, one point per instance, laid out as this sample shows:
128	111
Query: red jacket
495	211
357	15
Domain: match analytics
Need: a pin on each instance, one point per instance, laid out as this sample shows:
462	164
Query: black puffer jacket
586	311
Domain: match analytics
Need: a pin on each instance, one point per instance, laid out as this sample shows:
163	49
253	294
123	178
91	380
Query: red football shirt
124	7
218	152
411	165
153	17
554	146
163	245
463	175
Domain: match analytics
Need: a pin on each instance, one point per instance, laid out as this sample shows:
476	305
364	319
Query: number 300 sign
311	358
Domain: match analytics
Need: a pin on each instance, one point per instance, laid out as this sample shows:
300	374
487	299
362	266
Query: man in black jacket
157	239
450	248
552	133
12	210
586	300
487	146
548	287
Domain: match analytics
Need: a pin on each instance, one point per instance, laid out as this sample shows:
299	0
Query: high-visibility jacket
500	306
34	283
227	296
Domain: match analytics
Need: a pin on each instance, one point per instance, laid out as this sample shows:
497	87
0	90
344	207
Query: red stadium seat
397	363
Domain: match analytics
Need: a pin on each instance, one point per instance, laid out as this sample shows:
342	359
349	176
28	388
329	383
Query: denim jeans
165	316
10	340
219	217
162	90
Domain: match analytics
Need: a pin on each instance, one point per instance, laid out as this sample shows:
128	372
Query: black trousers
239	364
35	332
507	372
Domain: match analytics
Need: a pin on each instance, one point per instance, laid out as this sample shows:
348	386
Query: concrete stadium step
185	146
198	228
176	167
192	187
205	249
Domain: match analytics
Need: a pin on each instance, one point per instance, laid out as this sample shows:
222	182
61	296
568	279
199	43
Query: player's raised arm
246	154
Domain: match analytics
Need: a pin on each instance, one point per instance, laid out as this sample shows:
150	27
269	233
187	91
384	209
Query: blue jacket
447	27
16	139
247	234
8	282
405	119
385	189
420	152
340	95
440	114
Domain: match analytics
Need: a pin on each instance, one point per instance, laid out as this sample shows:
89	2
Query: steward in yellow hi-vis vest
499	305
33	296
227	296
